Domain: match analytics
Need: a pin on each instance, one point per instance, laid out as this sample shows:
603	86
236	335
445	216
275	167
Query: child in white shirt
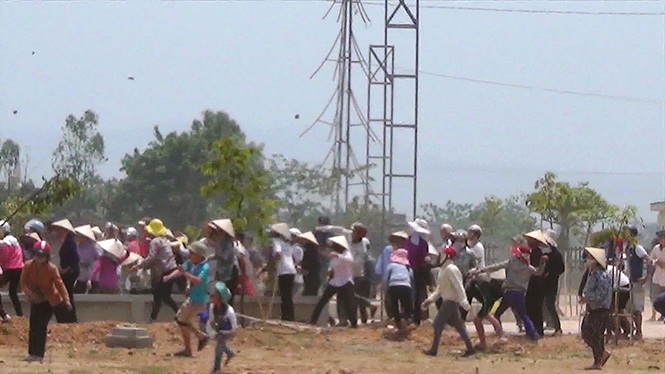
222	324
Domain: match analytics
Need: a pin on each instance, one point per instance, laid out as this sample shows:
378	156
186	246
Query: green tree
501	219
165	179
302	189
458	215
10	155
91	205
31	201
80	150
571	207
241	181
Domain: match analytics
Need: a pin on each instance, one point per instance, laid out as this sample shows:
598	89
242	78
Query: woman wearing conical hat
70	269
598	297
88	254
340	282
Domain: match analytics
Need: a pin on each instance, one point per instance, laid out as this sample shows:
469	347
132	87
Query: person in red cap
43	287
450	288
518	274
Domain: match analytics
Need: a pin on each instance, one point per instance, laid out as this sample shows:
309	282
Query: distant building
659	207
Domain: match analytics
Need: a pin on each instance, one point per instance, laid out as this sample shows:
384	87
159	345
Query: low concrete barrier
136	308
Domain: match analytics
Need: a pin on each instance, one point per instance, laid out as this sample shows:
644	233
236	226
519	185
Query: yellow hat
86	232
156	228
309	236
225	225
183	239
64	224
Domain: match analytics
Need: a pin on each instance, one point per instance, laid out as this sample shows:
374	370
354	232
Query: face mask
545	249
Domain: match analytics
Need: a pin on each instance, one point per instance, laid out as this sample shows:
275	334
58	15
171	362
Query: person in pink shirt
133	245
105	269
11	262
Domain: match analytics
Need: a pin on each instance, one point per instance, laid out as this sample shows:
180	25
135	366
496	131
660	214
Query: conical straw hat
282	229
309	236
133	257
114	248
599	255
86	231
225	225
65	224
537	235
339	240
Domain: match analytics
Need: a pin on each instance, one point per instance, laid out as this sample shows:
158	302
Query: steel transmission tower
392	106
348	114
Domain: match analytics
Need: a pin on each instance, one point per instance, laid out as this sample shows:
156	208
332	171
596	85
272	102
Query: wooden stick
300	327
272	298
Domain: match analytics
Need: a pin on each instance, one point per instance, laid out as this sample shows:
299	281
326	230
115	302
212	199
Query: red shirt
144	248
134	247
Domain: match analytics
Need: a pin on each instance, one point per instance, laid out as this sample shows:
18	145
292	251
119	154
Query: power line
531	11
464	8
549	89
567	12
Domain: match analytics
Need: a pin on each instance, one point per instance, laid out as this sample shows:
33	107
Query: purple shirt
88	255
107	271
417	253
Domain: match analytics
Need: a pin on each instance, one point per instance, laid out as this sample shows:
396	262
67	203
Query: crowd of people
411	274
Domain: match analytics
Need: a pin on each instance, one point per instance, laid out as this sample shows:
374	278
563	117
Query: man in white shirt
481	289
637	256
359	248
359	245
341	281
286	268
621	283
658	258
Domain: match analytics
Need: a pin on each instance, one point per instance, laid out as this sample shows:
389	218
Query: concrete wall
136	308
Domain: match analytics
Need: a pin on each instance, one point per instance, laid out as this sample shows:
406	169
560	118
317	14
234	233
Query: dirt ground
79	349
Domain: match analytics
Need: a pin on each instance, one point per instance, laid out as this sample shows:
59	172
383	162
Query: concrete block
128	336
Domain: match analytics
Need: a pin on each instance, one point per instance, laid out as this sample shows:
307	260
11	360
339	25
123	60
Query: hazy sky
253	59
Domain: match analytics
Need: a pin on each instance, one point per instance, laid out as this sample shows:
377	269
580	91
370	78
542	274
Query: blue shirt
598	290
198	294
383	261
398	275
